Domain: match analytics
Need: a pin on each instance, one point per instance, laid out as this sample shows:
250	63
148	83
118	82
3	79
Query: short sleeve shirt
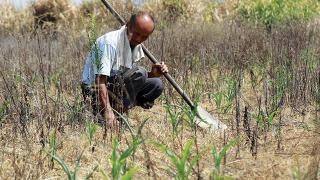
110	54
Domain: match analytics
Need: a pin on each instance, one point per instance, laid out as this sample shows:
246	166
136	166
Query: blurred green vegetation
269	12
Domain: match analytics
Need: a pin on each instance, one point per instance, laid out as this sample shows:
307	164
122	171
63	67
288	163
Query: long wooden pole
151	57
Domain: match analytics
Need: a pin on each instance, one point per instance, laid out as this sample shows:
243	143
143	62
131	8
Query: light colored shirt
110	55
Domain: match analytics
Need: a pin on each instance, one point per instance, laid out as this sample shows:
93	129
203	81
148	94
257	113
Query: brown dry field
297	145
221	48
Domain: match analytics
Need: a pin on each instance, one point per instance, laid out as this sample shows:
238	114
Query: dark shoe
100	120
146	105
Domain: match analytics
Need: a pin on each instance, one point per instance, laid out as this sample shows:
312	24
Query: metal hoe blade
206	120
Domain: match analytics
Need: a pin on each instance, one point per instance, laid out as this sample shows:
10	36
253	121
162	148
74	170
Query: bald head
140	26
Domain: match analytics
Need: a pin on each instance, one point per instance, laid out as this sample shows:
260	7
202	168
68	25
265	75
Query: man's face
139	32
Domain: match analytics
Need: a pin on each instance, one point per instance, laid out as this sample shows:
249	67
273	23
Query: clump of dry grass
173	11
50	12
101	14
13	20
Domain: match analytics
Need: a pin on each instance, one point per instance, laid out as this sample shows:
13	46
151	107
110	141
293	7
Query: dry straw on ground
40	96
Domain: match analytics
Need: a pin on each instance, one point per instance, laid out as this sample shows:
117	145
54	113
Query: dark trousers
131	88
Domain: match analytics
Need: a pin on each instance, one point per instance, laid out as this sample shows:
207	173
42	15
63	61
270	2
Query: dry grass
19	155
48	13
61	14
40	78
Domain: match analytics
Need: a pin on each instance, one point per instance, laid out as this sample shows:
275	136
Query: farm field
254	65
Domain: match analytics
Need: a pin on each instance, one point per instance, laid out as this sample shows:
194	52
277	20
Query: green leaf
91	173
185	156
76	169
63	165
195	159
141	127
104	175
18	78
172	156
129	174
219	156
136	142
114	158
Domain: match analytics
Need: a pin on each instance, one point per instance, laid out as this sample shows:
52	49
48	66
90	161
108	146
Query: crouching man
111	78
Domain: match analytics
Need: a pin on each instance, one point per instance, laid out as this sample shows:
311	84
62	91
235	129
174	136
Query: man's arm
106	109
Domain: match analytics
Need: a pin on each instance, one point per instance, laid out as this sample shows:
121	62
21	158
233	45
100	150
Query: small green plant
191	115
91	129
119	161
229	95
270	117
296	172
218	97
52	146
260	117
72	175
174	117
224	99
55	78
218	156
181	164
265	120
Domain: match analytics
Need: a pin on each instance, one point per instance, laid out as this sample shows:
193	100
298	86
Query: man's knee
157	84
142	71
139	75
153	89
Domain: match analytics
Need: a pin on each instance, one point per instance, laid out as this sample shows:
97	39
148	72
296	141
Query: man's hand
106	109
109	115
111	119
158	70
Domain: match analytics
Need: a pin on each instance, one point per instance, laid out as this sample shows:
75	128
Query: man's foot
146	105
100	120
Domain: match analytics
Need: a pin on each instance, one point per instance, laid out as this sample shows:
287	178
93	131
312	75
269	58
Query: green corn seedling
52	146
174	118
271	117
72	175
229	96
182	166
191	114
119	161
296	172
260	119
218	156
218	97
263	119
91	129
